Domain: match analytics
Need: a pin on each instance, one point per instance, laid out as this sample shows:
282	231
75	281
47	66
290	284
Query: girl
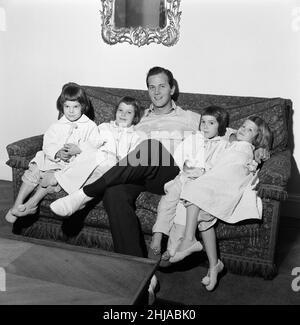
219	193
63	141
195	155
118	138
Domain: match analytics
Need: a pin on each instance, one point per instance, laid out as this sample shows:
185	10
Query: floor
183	286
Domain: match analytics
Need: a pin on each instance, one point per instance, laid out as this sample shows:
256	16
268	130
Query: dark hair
221	116
157	70
73	92
264	138
138	111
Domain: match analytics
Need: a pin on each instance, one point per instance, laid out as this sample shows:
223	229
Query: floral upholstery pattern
247	247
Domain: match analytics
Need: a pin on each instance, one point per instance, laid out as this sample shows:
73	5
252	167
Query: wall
237	47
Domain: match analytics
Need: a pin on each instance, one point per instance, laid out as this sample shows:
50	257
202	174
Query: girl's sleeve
52	142
107	138
244	151
94	137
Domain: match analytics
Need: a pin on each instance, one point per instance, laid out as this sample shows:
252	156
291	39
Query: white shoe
196	247
10	217
213	275
206	280
151	290
69	204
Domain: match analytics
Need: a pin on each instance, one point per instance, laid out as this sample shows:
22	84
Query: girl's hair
264	138
221	116
138	112
73	92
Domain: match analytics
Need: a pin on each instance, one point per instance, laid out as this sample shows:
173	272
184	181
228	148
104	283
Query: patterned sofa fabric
247	247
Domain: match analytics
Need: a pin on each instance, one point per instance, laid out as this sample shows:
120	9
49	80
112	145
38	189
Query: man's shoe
69	204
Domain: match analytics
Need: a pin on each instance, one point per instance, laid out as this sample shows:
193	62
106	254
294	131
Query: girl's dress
83	132
117	142
221	191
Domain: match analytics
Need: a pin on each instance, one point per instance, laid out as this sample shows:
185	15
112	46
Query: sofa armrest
22	151
274	175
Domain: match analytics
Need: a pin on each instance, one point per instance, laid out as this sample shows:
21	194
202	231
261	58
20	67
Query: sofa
248	247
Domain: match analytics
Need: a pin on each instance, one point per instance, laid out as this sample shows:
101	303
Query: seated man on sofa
122	184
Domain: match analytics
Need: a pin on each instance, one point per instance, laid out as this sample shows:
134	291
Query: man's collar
151	110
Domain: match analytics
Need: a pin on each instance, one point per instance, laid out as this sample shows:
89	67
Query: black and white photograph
149	155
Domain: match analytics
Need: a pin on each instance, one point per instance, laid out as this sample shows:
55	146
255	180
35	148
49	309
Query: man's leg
119	203
150	163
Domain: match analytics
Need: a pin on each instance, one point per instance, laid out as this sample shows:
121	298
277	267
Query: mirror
140	22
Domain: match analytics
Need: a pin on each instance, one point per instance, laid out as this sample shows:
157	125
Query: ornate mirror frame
139	36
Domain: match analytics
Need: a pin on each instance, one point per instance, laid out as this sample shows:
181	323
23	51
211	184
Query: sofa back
275	111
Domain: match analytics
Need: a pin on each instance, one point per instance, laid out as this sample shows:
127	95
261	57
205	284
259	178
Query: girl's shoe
196	247
214	273
206	280
152	290
69	204
10	217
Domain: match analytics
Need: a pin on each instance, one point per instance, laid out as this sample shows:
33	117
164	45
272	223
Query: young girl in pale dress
218	193
195	155
62	143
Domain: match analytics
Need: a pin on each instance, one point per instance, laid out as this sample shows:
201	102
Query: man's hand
63	155
72	149
261	154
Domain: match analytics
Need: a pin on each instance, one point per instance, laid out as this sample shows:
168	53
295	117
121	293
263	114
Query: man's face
160	91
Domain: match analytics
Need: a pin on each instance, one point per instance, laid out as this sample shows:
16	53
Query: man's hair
72	92
138	111
157	70
221	116
264	138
